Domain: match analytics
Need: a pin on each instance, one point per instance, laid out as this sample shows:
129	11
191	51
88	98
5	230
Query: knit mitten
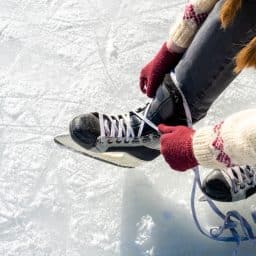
153	73
176	147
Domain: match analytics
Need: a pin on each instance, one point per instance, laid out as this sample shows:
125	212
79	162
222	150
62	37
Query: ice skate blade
121	159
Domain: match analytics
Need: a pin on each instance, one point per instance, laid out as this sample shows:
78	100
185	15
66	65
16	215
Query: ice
60	58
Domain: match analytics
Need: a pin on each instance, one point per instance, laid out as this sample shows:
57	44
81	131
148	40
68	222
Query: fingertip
166	129
161	128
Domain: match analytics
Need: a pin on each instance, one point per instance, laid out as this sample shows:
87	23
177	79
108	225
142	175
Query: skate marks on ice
121	159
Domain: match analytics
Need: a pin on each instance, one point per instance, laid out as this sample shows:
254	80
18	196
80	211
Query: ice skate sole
122	159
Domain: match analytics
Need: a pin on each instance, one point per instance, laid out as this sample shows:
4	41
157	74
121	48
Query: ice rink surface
61	58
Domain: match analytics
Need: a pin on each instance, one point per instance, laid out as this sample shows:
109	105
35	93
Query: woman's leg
206	69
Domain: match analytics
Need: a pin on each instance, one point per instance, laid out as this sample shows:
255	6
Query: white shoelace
240	177
119	127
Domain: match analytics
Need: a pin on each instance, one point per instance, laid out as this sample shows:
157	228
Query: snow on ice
60	58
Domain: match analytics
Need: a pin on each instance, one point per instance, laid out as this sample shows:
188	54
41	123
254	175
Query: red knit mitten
152	75
176	147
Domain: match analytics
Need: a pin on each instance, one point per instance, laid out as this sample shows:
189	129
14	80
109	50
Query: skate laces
117	128
240	177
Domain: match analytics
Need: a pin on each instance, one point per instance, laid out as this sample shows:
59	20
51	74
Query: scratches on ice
60	58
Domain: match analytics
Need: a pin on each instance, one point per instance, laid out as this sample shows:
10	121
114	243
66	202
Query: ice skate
133	135
232	184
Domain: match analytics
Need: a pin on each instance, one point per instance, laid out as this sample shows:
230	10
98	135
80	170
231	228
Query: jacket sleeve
231	142
186	26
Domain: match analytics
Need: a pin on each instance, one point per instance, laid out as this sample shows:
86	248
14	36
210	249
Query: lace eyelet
242	187
110	141
235	191
135	141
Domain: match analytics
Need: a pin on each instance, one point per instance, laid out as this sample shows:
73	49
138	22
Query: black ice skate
232	184
128	139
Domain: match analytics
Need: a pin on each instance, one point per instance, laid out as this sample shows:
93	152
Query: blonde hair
247	56
229	11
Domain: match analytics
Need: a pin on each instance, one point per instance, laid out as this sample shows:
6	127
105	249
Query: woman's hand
176	146
153	73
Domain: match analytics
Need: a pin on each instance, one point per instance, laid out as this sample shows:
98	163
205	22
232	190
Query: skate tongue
136	121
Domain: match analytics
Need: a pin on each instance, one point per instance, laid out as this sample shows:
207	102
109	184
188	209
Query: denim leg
206	68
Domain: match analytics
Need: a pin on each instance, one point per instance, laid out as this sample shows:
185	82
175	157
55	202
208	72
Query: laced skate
132	133
124	140
135	132
127	139
232	184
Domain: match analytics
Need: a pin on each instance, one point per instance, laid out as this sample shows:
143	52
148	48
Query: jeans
206	68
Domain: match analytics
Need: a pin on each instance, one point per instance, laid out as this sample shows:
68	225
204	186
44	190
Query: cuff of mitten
171	53
170	57
203	150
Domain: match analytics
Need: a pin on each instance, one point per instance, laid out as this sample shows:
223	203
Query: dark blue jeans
206	68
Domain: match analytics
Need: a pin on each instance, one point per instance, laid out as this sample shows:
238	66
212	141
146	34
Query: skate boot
230	185
135	132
